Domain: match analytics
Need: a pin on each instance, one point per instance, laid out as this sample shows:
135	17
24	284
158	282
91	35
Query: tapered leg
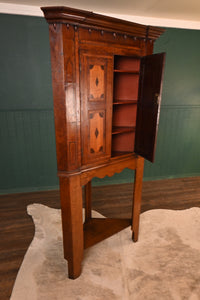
88	190
72	223
137	195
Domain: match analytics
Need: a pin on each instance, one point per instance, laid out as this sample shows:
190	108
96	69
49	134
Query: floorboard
17	229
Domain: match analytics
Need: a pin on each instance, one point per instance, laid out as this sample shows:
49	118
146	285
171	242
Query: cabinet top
83	18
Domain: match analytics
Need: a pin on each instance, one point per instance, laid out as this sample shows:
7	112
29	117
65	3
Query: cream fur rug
163	264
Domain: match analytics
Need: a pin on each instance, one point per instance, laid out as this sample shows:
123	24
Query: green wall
27	143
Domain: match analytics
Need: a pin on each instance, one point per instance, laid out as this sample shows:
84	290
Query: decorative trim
86	18
29	10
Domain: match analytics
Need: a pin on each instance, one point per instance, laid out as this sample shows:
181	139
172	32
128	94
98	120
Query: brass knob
157	99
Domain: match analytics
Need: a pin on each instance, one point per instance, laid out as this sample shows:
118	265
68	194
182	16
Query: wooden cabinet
107	91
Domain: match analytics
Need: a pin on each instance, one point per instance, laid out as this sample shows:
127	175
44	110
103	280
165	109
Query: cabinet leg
88	190
72	223
137	195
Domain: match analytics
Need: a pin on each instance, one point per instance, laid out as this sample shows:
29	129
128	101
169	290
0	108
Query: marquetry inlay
96	88
96	124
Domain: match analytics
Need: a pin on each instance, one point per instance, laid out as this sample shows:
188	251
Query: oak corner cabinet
107	92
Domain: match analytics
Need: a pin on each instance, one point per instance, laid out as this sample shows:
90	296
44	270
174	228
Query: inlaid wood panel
96	106
97	128
96	77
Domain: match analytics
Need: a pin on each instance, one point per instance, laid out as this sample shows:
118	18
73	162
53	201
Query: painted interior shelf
127	71
120	102
118	130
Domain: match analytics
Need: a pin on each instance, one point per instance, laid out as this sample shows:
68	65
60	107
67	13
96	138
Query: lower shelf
123	142
98	229
122	129
120	153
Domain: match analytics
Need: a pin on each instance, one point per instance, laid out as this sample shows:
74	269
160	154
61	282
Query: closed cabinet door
96	106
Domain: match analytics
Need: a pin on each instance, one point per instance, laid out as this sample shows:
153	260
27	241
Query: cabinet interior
125	98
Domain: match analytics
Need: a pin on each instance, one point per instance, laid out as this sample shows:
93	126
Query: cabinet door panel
96	106
149	99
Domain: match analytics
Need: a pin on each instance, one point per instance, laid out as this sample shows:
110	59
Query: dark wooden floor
17	230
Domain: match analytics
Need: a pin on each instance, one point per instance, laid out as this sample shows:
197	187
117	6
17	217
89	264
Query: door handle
157	99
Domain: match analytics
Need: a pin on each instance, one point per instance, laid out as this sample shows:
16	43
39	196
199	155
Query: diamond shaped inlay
96	132
97	81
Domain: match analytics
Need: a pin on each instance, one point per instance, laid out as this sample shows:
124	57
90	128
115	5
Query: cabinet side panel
66	98
57	65
72	99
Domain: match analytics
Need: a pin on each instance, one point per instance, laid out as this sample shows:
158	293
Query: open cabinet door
149	99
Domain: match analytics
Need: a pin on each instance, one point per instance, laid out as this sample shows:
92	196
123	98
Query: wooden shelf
120	153
118	129
127	71
98	229
125	95
121	102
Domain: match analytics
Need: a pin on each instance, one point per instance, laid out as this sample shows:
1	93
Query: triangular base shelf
98	229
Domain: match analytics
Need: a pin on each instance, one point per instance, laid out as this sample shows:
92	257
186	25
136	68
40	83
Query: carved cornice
61	14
